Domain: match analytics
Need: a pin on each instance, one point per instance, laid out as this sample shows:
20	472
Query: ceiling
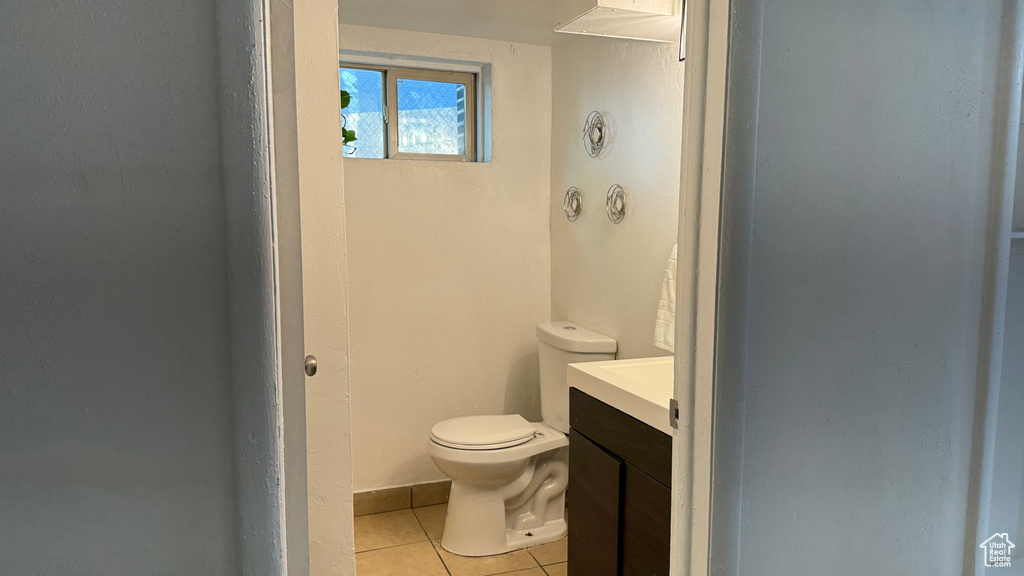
529	21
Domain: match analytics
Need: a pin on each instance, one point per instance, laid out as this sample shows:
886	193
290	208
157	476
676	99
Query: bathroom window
408	113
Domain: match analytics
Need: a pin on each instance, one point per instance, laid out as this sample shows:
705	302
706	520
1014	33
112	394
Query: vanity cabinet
620	472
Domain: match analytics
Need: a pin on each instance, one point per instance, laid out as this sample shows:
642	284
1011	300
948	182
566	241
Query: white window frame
390	75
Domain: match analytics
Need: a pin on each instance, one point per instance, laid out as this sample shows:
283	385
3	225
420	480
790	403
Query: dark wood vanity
620	471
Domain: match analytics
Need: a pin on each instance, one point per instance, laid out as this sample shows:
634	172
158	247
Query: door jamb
707	42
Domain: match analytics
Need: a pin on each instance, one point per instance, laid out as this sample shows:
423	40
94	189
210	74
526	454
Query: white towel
665	324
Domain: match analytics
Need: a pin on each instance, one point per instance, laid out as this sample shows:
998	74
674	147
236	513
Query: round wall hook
572	204
595	134
615	203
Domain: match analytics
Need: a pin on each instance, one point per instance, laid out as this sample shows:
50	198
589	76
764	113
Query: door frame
707	38
700	224
311	285
284	170
707	43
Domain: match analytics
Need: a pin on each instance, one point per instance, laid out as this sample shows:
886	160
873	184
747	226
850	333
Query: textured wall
253	291
115	418
530	21
604	276
325	288
858	176
448	267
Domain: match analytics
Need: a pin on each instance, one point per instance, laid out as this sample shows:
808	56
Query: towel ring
572	204
615	203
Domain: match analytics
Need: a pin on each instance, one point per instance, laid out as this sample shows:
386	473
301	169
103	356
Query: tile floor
407	543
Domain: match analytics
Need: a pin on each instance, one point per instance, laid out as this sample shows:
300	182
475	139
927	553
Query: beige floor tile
551	553
519	560
530	572
389	529
409	560
553	570
432	518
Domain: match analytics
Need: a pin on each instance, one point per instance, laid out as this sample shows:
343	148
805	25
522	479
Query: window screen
410	113
431	117
365	112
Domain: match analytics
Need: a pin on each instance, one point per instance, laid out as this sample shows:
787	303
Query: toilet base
505	499
484	521
553	530
480	524
518	539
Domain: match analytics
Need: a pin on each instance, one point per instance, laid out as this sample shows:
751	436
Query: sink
639	387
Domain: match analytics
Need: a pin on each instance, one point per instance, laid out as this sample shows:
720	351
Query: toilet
509	475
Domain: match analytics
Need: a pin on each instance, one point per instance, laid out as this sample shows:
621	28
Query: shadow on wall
401	472
522	388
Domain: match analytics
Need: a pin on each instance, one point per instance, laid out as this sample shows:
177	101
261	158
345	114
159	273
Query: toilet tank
561	344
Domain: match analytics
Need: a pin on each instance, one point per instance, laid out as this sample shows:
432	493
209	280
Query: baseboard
401	497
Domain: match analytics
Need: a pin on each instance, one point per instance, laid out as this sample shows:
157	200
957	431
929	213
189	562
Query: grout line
432	545
394	546
418	523
538	566
529	550
422	527
431	542
441	558
434	548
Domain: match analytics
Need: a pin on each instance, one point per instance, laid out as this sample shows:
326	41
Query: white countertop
640	387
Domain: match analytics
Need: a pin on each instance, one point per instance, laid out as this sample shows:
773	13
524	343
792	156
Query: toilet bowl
508	485
509	475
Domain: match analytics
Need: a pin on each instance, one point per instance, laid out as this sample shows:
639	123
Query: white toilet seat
545	440
500	446
483	432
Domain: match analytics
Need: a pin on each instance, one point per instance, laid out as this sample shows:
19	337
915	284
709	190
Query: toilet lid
483	432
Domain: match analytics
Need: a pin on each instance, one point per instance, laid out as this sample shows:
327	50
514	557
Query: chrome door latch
673	413
310	365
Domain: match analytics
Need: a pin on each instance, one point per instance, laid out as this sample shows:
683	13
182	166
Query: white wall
604	276
859	174
530	21
117	421
448	267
